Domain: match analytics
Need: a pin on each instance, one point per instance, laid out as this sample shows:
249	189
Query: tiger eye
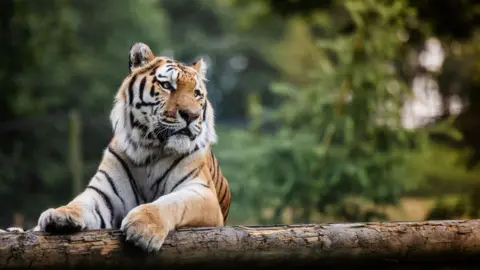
166	85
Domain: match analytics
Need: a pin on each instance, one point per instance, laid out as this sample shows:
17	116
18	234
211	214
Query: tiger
158	172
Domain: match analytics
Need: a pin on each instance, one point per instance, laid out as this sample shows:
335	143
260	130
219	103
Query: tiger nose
188	115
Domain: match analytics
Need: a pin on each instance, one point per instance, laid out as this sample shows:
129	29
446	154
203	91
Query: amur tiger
158	172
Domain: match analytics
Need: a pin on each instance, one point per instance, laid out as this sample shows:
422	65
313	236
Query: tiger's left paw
144	227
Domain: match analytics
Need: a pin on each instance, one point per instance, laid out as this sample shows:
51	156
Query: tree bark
394	244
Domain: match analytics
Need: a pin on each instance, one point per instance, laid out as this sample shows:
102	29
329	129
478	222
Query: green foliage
64	54
448	208
323	93
338	130
438	171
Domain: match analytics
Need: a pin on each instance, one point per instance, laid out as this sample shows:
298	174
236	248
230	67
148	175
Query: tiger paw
65	219
145	228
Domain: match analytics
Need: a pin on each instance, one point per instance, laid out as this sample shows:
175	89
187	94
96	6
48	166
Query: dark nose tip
188	116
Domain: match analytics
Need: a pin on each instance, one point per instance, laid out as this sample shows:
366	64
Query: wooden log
409	245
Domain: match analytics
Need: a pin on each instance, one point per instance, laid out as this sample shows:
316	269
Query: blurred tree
23	48
457	79
60	55
464	17
459	36
326	138
339	132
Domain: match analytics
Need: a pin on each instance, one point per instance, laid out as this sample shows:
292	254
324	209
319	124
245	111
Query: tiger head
163	103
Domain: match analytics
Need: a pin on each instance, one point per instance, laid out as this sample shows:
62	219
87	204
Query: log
406	245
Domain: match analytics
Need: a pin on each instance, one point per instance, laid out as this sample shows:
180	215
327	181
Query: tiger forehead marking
186	81
179	75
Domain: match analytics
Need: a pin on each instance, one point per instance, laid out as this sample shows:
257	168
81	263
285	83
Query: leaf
363	177
349	131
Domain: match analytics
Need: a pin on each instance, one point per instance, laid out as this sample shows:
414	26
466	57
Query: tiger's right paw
65	219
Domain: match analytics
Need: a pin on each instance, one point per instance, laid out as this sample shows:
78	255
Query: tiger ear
200	66
140	54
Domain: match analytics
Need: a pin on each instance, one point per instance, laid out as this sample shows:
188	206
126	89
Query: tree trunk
408	245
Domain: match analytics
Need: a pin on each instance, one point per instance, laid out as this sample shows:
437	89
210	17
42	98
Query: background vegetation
334	110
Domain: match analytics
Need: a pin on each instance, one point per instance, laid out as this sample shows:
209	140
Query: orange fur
149	219
73	210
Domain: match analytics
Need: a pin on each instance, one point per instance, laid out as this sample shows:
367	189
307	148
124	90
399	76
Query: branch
397	243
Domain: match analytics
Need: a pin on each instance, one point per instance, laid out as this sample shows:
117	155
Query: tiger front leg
86	212
193	205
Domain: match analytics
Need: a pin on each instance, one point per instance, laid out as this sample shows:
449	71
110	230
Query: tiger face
164	101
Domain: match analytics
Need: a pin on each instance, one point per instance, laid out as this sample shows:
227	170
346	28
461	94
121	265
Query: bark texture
395	244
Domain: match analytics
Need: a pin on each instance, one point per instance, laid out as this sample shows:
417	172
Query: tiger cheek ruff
158	172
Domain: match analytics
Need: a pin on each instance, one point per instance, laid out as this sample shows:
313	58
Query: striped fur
158	173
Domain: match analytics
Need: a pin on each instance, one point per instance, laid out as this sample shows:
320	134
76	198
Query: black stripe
195	149
205	111
144	104
99	216
226	207
152	91
221	185
96	213
133	184
225	216
198	193
214	172
192	174
131	142
102	221
224	194
130	89
137	124
169	169
217	169
212	155
204	185
114	188
106	200
161	178
154	70
141	89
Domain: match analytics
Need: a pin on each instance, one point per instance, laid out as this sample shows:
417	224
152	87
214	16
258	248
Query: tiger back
221	185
